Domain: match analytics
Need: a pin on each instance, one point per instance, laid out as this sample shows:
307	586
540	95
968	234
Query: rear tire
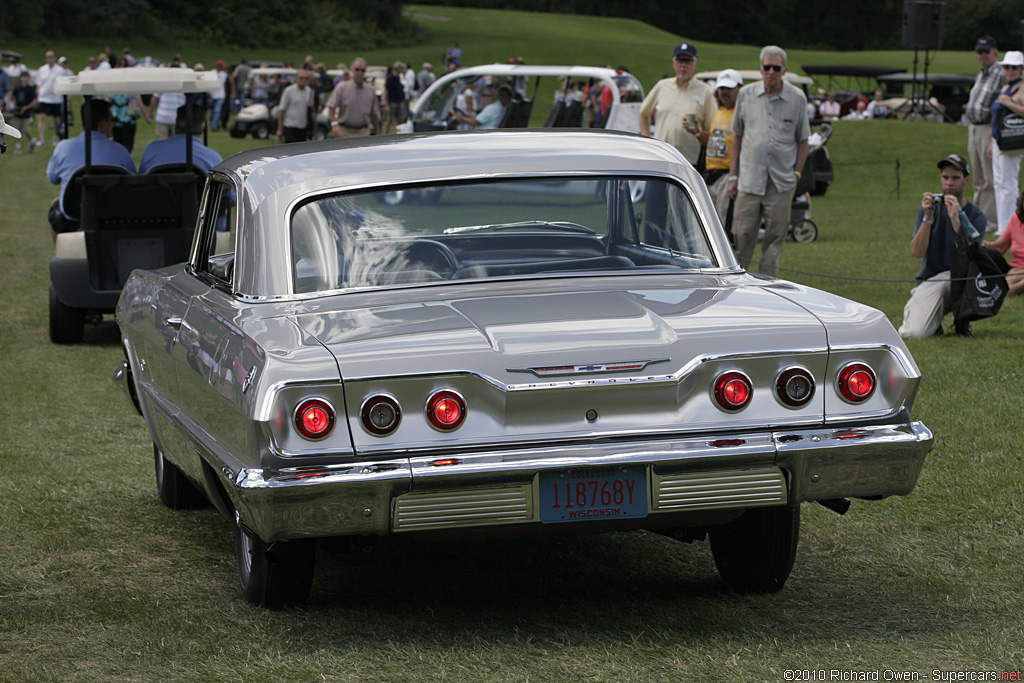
176	491
261	131
67	324
755	552
804	231
274	575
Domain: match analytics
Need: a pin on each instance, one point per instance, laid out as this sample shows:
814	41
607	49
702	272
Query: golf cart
127	221
432	110
260	119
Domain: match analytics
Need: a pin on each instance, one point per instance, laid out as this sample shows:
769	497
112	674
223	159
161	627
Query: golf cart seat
198	173
73	193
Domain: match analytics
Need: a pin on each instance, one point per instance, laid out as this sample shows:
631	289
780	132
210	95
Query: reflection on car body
497	358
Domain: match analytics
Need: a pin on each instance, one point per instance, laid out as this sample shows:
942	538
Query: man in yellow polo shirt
681	107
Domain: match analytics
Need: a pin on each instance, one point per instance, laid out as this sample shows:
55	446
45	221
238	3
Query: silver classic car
548	333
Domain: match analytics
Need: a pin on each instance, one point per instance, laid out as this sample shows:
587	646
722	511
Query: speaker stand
920	106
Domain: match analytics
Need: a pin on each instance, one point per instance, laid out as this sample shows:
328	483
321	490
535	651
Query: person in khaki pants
770	131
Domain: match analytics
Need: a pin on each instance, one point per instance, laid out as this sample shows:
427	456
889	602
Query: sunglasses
359	69
1013	66
771	67
686	60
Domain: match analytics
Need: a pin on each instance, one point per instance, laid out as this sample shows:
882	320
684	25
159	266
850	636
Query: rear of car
471	335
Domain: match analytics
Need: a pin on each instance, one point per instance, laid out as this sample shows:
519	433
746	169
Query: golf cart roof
137	80
10	54
274	71
754	75
851	70
965	80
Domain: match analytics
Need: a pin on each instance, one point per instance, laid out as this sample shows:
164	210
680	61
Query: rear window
511	228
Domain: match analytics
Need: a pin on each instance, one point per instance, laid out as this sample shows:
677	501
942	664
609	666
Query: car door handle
173	321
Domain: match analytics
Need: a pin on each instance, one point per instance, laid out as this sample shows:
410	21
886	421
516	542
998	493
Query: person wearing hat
683	106
425	77
987	84
934	242
7	130
719	145
769	149
1006	162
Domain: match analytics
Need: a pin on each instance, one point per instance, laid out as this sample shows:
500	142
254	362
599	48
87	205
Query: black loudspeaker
922	24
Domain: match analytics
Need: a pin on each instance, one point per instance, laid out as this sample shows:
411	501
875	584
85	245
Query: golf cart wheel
754	553
804	231
274	575
261	131
67	324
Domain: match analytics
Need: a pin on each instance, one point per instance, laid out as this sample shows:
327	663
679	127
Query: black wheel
274	575
176	491
804	231
67	324
819	189
261	131
754	553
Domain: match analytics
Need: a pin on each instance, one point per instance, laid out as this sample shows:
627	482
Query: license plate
593	493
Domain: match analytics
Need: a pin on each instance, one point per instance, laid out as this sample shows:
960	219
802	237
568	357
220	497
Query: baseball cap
1013	58
220	62
685	49
985	43
62	60
957	162
728	78
8	130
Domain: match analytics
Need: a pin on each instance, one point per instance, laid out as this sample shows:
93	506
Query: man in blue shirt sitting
69	156
172	150
495	100
934	242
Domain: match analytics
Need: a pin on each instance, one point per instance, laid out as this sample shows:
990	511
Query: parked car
127	221
500	358
432	110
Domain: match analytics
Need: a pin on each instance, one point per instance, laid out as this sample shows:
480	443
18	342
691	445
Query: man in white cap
719	145
684	105
7	130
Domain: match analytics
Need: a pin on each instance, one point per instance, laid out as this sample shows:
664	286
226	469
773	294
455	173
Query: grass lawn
99	581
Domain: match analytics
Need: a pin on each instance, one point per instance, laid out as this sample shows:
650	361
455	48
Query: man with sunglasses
987	84
770	131
684	106
354	106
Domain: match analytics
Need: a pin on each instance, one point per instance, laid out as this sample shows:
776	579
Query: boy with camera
934	241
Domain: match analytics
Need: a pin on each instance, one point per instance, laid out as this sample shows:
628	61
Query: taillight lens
795	387
856	382
381	414
314	418
733	391
446	410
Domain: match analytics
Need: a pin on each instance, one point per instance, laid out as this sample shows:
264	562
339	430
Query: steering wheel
427	255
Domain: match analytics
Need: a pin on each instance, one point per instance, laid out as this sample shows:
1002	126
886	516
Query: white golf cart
432	110
259	119
127	221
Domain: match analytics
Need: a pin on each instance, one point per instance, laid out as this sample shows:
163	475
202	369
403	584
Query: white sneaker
17	148
31	146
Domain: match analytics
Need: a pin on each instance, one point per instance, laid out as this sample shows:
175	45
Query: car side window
219	225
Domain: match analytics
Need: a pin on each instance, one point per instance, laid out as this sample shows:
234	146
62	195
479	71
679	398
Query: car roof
137	79
300	168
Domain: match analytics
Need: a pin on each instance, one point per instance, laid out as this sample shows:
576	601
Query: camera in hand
938	198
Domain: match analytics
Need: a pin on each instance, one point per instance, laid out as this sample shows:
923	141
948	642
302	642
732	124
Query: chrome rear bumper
499	488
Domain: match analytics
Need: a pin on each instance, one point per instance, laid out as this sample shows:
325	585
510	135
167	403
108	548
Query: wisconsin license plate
593	493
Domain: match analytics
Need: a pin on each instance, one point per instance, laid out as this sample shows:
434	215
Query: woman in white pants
1006	164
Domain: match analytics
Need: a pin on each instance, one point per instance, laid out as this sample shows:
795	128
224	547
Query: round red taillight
856	382
314	418
794	387
446	410
733	390
381	414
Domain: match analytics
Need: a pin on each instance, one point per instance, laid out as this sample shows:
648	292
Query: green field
100	582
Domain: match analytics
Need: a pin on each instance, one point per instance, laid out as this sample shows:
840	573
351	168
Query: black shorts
59	222
47	109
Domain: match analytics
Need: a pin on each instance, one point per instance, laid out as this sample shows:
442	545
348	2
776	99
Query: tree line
809	24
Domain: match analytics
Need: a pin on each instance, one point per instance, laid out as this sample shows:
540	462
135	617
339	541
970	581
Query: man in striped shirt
987	84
